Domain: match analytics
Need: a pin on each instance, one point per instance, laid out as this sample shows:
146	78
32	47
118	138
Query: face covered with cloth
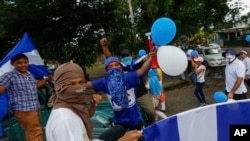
68	94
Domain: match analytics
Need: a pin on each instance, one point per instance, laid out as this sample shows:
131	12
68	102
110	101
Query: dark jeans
189	67
117	131
198	92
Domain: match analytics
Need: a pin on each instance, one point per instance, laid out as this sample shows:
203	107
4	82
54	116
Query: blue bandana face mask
114	72
116	87
126	60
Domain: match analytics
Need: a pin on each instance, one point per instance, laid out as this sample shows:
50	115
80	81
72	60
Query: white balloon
172	60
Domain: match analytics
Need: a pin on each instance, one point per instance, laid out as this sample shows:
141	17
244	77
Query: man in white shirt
234	76
246	61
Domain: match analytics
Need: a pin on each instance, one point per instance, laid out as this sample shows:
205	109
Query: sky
246	4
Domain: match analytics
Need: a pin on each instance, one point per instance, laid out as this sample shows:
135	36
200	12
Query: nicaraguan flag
27	47
209	123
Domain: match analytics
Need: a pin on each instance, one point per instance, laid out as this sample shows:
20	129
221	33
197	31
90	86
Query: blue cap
110	60
231	51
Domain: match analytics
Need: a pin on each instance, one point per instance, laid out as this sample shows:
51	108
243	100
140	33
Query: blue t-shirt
128	115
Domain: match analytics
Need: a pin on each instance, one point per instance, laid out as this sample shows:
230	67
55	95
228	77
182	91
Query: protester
23	98
143	97
120	89
70	118
200	71
154	86
246	61
234	76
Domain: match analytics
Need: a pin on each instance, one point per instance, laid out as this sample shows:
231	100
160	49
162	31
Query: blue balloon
248	38
194	53
3	105
163	31
141	52
220	97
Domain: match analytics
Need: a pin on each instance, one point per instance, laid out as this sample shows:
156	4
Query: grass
96	66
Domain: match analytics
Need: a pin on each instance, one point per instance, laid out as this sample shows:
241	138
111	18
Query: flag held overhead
27	47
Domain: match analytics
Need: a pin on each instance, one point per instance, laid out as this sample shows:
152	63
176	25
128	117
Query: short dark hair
18	56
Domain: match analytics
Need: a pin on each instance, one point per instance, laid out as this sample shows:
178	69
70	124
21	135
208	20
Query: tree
66	30
62	30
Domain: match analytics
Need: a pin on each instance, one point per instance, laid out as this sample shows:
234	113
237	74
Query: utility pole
131	12
132	22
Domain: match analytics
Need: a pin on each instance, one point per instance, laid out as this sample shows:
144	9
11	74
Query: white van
212	55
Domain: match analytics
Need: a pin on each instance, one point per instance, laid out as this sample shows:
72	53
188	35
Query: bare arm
96	99
105	48
133	135
89	85
144	68
2	89
197	70
40	83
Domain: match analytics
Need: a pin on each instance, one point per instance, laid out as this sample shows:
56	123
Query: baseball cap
231	51
110	60
125	52
199	59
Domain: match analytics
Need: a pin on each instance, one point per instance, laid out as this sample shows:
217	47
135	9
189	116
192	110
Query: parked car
212	55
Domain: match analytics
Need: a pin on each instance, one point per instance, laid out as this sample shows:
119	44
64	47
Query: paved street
180	95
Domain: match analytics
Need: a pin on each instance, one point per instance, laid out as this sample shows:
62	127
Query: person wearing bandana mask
234	76
120	89
70	119
130	64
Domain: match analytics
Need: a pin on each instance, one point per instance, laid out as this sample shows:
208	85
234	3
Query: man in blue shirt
120	90
130	64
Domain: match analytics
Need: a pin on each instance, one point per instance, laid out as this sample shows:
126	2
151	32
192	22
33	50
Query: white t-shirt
64	125
233	71
246	61
201	76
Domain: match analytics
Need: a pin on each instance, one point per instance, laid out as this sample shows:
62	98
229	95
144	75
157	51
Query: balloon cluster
172	60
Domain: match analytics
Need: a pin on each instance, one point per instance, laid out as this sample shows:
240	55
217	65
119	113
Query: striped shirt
22	91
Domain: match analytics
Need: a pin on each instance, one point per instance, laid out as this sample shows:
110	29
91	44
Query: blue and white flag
209	123
27	47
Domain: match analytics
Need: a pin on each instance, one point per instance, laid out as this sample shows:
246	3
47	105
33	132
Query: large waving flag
209	123
27	47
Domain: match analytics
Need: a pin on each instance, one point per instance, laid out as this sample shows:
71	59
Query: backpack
193	77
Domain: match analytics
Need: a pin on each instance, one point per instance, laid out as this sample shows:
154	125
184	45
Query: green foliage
67	30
